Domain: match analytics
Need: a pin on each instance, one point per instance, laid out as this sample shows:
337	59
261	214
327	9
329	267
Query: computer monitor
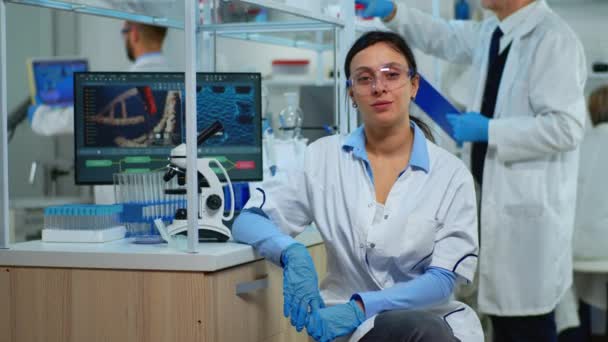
130	121
51	79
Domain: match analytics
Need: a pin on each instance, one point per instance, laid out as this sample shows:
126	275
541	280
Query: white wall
28	35
589	19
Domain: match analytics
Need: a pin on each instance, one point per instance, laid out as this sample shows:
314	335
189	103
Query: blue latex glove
300	285
470	126
335	321
376	8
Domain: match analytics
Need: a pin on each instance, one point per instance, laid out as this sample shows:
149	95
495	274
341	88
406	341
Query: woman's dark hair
598	105
397	42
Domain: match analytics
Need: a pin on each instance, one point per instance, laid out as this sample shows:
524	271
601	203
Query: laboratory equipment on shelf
82	223
143	198
211	195
290	118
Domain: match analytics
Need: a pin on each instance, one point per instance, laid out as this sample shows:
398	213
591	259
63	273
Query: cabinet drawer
245	303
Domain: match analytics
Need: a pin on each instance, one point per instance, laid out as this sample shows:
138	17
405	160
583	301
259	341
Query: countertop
123	254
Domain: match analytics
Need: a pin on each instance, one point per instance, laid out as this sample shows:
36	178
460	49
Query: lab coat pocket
407	248
519	103
525	189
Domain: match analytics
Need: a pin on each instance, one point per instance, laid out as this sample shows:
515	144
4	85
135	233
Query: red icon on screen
245	165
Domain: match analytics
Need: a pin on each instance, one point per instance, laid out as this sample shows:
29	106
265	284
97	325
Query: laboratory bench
120	291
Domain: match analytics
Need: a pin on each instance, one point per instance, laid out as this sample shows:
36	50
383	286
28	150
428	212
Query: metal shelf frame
197	35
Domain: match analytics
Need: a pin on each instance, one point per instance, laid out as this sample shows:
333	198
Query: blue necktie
496	65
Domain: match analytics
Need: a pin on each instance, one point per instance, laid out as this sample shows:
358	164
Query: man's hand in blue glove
335	321
376	8
300	285
469	127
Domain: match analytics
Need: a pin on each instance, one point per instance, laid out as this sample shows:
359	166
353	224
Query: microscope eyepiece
169	175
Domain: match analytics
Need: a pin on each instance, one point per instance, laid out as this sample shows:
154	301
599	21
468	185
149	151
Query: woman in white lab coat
396	212
531	164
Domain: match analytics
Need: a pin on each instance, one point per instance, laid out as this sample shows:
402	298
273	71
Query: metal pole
4	228
436	62
345	40
337	112
190	19
320	64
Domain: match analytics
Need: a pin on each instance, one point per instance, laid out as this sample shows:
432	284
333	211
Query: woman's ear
415	86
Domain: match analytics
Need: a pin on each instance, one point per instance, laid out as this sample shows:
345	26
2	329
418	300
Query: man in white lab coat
143	45
526	121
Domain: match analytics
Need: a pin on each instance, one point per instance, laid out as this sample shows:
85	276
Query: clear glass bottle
290	118
266	115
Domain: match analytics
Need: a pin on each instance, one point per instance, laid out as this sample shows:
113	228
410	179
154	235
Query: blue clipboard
435	105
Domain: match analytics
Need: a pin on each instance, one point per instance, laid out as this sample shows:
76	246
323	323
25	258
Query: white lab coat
591	223
590	228
104	194
527	211
52	120
427	220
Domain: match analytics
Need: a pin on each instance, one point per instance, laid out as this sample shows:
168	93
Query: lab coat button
372	245
386	217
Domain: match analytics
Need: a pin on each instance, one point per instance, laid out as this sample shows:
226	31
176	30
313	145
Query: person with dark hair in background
396	212
143	44
525	122
591	219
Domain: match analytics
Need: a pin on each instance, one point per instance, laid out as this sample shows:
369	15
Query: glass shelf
264	21
308	36
288	81
170	13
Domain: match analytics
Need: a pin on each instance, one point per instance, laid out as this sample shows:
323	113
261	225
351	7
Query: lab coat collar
419	158
148	58
521	22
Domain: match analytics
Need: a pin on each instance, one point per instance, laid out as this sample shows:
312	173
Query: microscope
210	192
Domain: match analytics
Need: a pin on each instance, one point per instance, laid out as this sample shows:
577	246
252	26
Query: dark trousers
583	332
524	329
409	326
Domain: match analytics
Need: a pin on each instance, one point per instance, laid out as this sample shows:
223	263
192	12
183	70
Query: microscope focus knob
181	214
214	202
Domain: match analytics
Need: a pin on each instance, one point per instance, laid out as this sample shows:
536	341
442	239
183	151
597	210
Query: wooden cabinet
5	300
242	303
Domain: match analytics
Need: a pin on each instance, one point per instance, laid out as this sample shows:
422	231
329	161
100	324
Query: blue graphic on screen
132	116
129	122
232	105
54	81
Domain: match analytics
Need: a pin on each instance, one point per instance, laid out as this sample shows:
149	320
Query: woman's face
381	86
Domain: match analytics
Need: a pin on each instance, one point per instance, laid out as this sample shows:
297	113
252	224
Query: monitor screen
130	121
52	79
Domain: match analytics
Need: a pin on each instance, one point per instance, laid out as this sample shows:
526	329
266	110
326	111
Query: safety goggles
126	29
365	81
